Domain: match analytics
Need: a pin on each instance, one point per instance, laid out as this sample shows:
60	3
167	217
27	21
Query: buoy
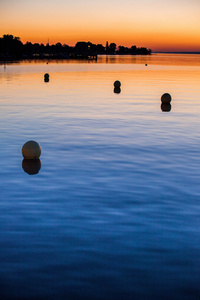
31	150
117	84
166	98
146	65
46	77
31	166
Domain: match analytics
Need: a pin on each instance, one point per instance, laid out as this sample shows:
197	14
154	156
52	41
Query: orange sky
165	25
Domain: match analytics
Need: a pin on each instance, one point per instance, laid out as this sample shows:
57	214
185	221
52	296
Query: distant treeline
12	48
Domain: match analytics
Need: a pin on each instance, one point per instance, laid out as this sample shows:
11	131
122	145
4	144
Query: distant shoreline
11	48
175	52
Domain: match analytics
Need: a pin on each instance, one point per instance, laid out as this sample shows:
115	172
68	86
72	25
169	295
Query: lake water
114	210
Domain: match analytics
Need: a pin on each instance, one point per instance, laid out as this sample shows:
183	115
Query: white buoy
31	150
117	84
166	98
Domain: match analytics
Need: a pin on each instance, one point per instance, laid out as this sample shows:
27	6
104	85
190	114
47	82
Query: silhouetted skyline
12	48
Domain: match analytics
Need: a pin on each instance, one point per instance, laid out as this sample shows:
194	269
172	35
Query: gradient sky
162	25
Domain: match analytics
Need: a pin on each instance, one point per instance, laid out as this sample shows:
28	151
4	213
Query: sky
161	25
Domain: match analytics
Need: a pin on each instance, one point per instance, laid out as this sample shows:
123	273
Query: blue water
113	213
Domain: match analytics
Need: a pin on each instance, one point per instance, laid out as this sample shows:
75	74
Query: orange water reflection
164	59
79	83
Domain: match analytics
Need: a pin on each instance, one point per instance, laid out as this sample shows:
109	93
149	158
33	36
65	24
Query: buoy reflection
166	107
117	90
31	166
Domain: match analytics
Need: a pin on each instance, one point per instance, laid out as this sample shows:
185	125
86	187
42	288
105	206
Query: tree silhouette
12	48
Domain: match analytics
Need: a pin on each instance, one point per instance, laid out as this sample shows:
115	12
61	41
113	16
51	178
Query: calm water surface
114	211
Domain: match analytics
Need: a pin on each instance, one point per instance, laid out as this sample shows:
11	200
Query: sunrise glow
159	25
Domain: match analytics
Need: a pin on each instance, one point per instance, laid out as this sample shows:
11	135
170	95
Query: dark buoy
46	77
146	65
166	98
31	166
117	90
117	84
31	150
166	107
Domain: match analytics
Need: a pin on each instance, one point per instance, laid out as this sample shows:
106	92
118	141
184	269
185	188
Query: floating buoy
117	84
146	65
31	150
31	166
117	90
166	107
46	77
166	98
